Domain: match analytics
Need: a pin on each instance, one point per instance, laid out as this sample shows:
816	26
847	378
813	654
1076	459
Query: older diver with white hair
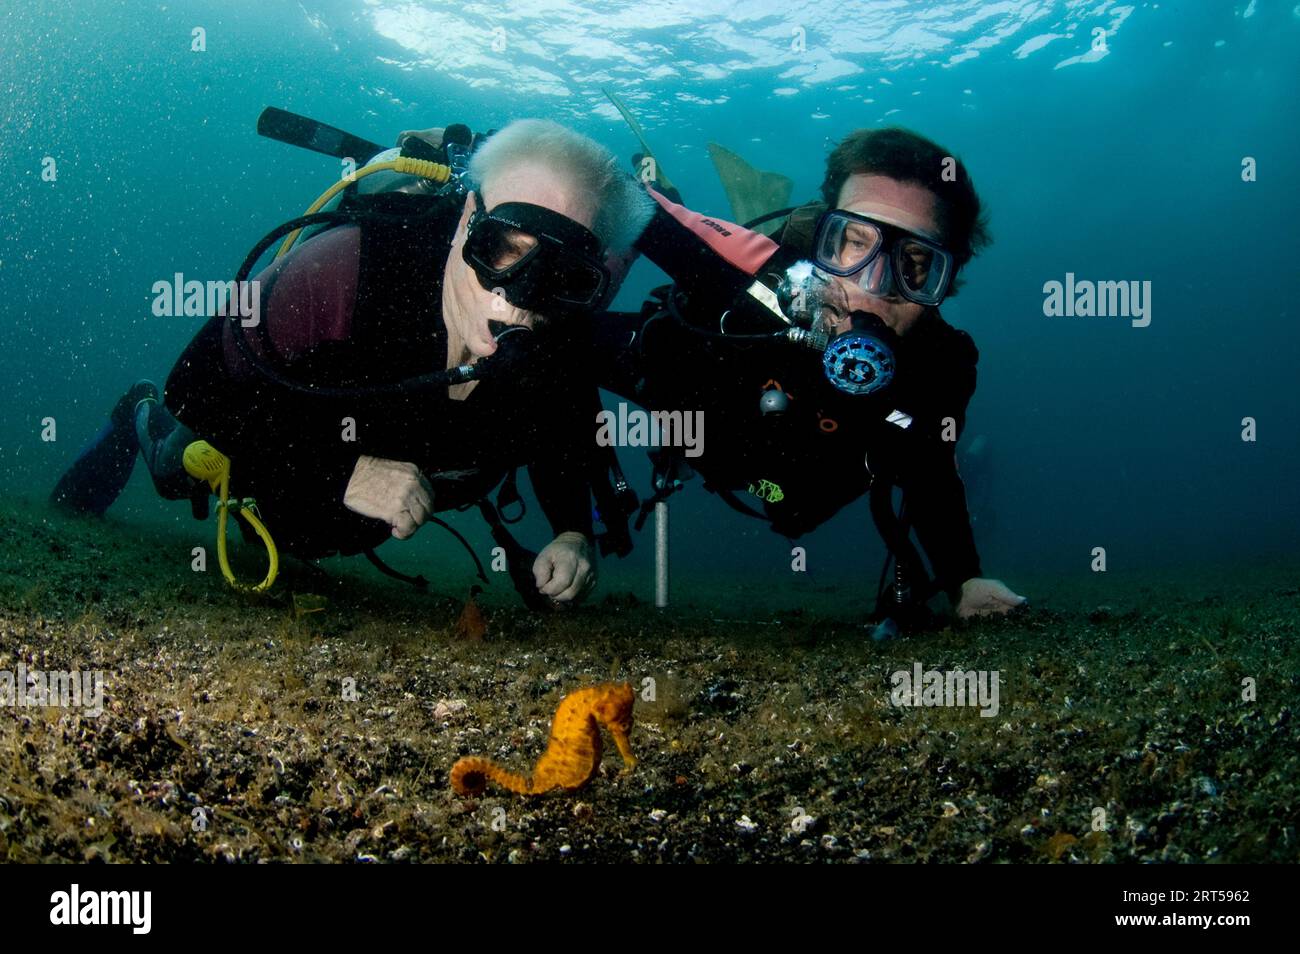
409	356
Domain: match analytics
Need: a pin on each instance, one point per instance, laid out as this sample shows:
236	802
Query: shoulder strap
800	227
404	244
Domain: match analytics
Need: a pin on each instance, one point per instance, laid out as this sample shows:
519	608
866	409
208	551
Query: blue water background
1122	166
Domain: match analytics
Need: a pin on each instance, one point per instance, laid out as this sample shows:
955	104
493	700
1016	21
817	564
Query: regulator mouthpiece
861	361
802	293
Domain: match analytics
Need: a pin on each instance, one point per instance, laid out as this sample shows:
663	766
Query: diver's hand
392	491
980	597
566	569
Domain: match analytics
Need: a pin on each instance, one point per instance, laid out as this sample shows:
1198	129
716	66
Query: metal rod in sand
661	554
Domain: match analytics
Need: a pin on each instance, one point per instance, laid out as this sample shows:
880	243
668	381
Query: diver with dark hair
821	361
419	344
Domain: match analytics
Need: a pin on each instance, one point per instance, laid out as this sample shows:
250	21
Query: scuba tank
454	151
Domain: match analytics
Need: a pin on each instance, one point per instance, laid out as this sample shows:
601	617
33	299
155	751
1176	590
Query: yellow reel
204	462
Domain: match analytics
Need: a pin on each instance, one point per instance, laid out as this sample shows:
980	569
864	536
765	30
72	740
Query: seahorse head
614	705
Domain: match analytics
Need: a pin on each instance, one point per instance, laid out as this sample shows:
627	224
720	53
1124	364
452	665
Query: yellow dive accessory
205	462
424	168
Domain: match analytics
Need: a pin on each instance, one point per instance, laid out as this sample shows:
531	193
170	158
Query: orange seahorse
573	752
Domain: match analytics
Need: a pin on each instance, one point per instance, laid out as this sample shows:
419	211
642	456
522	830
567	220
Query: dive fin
283	126
660	179
752	192
99	474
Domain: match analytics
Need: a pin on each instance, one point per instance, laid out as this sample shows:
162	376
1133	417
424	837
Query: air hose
425	169
204	462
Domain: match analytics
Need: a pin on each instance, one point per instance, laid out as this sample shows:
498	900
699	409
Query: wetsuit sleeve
561	473
935	495
561	487
710	258
936	504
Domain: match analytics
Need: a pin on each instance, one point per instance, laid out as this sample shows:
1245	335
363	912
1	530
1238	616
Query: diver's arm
561	472
936	500
936	507
562	490
707	257
566	568
935	495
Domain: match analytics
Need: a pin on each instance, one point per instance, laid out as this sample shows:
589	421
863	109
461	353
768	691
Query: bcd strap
909	570
508	496
615	502
519	559
419	582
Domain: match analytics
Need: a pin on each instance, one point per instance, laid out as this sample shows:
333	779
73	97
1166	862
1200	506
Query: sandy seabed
1124	732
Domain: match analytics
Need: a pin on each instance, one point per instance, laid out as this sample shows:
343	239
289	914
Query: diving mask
541	260
883	257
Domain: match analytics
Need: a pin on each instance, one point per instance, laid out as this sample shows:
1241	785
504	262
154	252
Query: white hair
623	207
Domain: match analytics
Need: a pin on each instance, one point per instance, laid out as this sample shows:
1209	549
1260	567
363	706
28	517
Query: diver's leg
162	441
99	474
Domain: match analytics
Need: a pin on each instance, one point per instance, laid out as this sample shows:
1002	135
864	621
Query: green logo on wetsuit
766	490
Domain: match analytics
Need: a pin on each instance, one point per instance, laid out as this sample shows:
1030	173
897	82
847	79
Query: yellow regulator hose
425	169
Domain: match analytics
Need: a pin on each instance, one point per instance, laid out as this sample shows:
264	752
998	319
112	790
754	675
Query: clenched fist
392	491
566	569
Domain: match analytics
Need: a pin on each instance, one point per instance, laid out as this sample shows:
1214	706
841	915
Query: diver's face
467	305
905	204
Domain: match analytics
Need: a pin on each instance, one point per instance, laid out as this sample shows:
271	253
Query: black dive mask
540	260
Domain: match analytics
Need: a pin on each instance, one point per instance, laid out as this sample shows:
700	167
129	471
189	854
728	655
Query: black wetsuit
823	451
360	306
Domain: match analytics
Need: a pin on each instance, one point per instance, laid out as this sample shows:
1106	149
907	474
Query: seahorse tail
470	776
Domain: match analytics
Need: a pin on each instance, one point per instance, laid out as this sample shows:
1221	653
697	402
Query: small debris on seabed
305	728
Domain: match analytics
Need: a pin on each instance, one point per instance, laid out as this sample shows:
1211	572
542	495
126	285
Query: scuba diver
821	360
428	337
